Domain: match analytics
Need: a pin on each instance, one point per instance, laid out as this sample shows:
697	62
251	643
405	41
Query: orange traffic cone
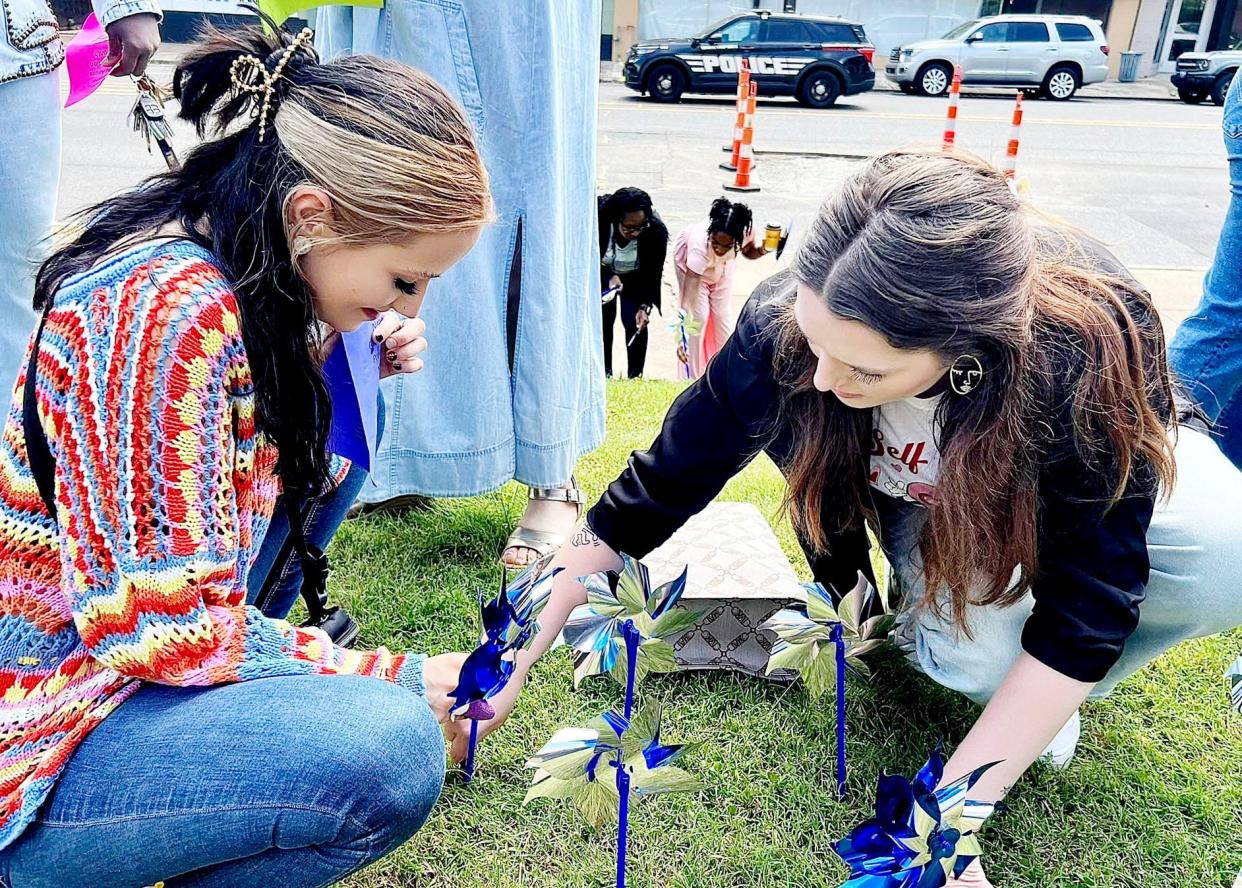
743	92
746	154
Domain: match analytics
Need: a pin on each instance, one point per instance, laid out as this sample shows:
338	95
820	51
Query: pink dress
693	253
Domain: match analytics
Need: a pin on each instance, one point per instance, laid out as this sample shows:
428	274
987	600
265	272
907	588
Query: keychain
147	118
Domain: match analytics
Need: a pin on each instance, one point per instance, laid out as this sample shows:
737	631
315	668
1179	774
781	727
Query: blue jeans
1206	352
275	579
1192	591
30	159
277	782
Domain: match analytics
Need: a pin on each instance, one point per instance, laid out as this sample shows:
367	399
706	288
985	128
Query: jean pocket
434	36
28	24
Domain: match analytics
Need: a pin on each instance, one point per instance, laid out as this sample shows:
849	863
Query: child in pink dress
704	254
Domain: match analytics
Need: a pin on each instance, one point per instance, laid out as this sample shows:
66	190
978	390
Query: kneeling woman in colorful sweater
155	727
989	394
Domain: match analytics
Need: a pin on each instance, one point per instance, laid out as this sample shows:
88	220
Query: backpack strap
42	466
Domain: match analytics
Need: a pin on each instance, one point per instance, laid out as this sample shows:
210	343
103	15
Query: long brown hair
934	252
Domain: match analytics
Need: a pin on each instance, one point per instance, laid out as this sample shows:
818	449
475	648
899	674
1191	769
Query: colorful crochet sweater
164	492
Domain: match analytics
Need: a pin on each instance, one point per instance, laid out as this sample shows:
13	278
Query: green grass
1154	797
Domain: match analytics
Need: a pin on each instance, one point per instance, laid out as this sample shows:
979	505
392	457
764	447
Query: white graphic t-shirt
904	458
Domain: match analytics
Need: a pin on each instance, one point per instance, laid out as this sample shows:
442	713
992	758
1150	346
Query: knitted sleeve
155	450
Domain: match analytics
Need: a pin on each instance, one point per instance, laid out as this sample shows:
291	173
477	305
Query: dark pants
635	354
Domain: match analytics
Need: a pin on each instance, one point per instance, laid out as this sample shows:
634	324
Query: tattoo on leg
586	537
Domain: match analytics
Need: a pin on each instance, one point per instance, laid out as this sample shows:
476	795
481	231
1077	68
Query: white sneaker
1060	752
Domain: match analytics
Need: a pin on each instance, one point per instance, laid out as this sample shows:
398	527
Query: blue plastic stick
474	739
623	787
839	640
632	638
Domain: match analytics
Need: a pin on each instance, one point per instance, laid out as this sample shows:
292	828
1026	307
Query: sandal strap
559	495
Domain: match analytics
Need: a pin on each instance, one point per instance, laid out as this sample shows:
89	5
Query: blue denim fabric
323	518
1206	352
29	42
279	782
527	76
30	161
1192	591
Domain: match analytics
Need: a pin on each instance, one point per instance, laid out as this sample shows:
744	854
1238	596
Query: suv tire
666	83
1221	87
934	79
819	89
907	88
1061	83
1190	96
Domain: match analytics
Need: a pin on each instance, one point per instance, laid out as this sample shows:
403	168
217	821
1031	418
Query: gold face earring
965	374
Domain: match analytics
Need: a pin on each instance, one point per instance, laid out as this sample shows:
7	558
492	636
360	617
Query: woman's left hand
440	676
401	340
974	877
642	318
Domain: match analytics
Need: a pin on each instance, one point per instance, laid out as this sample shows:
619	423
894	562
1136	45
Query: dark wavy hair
933	251
389	146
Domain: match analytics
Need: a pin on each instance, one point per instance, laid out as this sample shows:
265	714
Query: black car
815	59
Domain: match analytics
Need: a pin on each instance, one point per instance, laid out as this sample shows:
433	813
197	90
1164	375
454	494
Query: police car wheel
1191	96
666	83
820	89
1221	88
934	79
907	88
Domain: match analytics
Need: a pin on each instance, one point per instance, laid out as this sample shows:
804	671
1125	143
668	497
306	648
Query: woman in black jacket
988	393
632	245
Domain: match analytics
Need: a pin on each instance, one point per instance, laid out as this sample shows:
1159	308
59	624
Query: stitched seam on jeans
194	812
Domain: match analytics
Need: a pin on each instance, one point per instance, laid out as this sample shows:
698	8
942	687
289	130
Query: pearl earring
301	246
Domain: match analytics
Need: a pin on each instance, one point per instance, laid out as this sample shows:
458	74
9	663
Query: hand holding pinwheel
1235	683
509	625
596	630
920	835
804	633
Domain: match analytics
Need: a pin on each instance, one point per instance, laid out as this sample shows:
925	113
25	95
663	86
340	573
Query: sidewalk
1155	87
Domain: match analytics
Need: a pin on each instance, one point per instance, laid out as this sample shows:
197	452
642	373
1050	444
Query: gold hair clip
250	75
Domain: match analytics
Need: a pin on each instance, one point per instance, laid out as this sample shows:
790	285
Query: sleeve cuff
107	13
410	674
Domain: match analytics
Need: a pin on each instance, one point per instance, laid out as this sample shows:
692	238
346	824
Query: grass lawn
1153	800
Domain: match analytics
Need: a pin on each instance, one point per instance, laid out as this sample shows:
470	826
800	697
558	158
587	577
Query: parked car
817	59
1202	75
1050	55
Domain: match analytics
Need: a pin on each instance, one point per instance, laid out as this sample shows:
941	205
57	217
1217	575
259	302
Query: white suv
1049	54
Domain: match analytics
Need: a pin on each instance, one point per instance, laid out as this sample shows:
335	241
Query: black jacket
1093	560
643	286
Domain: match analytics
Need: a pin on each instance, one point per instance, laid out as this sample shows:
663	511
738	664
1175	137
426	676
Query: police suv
815	59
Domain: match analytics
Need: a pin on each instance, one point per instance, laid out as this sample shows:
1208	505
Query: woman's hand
402	341
502	703
642	317
683	356
132	41
440	674
614	283
973	877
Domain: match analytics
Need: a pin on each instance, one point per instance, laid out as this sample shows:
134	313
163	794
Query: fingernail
391	343
378	337
396	365
392	356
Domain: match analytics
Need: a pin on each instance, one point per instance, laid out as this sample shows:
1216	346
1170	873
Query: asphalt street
1147	177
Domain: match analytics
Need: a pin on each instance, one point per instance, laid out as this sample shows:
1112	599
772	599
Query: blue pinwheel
821	640
596	630
509	625
574	765
920	835
685	325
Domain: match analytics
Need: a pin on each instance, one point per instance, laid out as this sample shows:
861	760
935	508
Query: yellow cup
772	237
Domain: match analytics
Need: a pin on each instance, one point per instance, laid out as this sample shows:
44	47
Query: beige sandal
544	542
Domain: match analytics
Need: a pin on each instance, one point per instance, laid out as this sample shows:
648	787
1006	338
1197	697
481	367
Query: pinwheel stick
838	639
623	787
632	640
474	740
